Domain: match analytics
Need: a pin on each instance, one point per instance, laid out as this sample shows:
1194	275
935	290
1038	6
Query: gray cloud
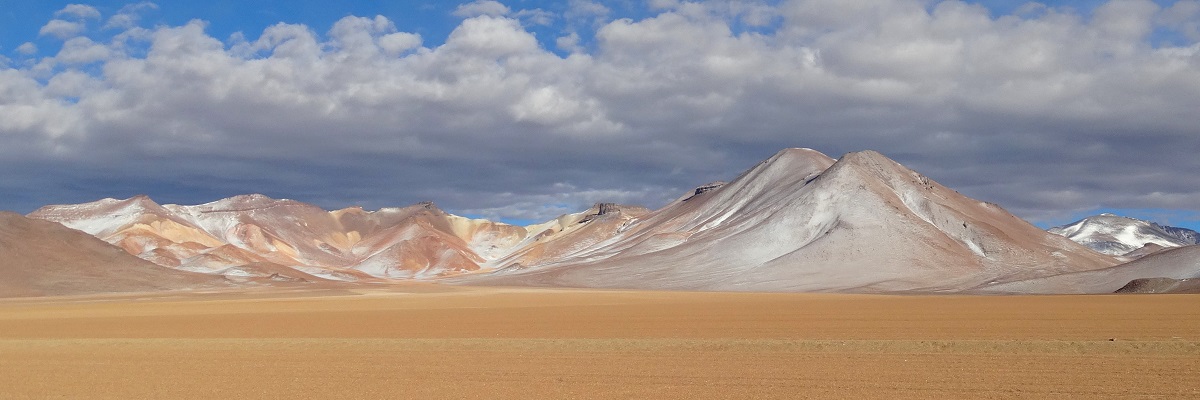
1047	112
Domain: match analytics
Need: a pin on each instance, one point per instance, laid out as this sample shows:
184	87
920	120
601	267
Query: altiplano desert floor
430	341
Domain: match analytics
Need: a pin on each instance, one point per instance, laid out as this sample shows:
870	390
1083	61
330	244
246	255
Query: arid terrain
434	341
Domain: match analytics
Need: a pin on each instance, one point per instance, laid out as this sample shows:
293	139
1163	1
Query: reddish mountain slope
230	236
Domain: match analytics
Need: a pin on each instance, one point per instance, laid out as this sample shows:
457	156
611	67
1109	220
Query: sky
523	110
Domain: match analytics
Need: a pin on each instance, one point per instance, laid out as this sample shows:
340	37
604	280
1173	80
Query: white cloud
481	7
129	15
61	29
27	48
357	36
285	41
81	50
81	11
490	37
535	16
569	43
399	42
545	105
72	84
369	37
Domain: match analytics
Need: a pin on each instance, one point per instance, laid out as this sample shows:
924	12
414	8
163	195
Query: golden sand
430	341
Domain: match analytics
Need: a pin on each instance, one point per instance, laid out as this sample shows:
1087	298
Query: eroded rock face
705	189
708	187
607	209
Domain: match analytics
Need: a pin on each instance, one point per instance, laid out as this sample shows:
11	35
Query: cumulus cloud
491	38
481	7
27	48
82	50
62	29
535	16
80	11
1047	112
570	42
128	16
399	42
69	21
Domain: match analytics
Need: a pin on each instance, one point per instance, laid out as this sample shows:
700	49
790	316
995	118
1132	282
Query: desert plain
437	341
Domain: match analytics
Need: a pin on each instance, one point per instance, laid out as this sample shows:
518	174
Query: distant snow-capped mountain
1117	235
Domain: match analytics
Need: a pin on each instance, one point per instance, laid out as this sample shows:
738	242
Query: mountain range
798	221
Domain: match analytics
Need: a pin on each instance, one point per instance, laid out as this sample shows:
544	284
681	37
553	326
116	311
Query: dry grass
450	342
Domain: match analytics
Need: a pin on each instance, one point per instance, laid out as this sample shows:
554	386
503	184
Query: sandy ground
430	341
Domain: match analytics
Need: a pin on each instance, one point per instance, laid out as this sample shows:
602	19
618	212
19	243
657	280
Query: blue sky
23	19
522	110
